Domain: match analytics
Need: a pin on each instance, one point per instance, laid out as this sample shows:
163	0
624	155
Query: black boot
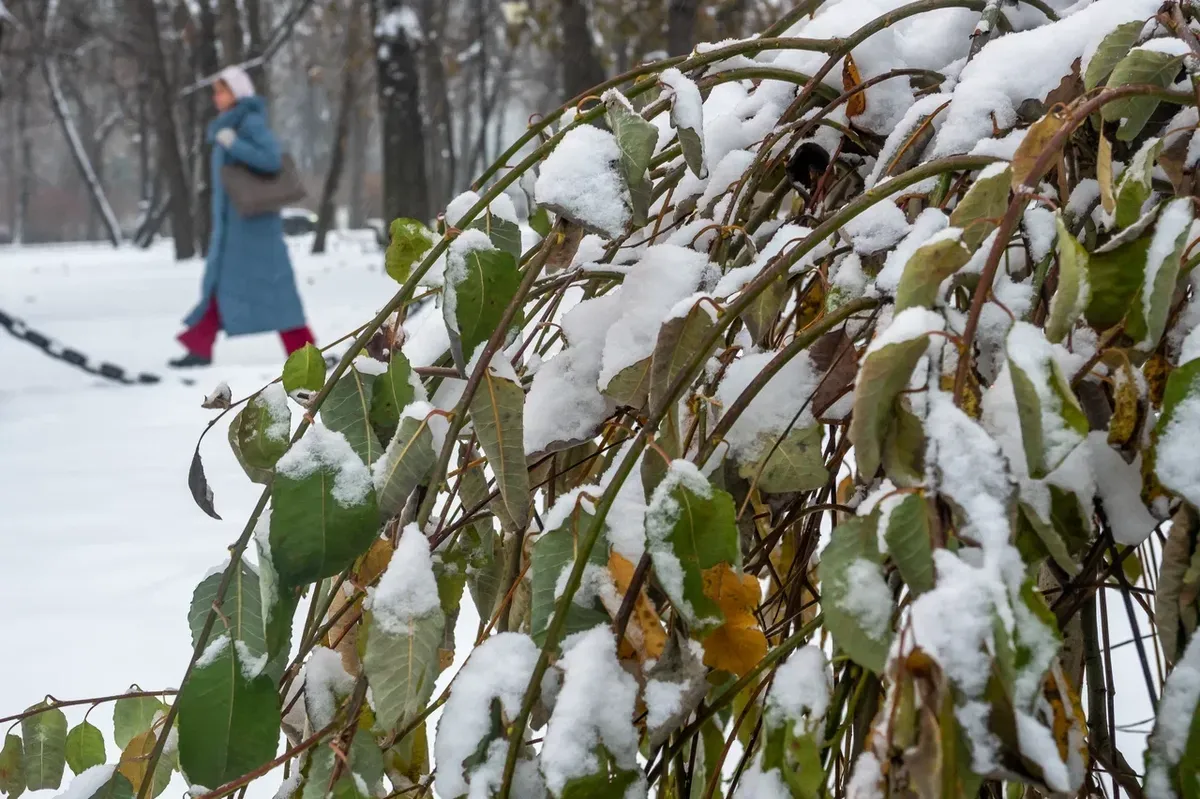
189	361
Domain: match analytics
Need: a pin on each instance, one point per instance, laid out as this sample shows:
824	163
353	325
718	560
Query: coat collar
233	117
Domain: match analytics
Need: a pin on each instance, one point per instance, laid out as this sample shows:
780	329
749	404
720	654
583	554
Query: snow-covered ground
101	543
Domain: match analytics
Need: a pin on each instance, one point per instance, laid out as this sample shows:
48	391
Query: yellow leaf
136	758
1067	724
645	633
857	104
372	565
1156	370
738	644
1126	400
1104	174
1032	147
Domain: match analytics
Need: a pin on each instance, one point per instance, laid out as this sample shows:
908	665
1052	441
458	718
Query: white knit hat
238	82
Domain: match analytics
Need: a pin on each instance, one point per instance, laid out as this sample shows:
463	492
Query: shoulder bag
253	193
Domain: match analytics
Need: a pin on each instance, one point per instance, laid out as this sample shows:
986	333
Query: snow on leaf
480	283
934	261
1147	319
1176	458
582	180
979	211
324	512
258	434
228	722
856	602
1052	423
496	674
635	139
1073	293
1173	756
690	528
242	613
591	732
687	115
885	372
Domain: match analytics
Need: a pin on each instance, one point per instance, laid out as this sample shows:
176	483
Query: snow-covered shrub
782	451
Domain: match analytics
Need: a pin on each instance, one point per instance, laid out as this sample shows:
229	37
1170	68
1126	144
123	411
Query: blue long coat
248	269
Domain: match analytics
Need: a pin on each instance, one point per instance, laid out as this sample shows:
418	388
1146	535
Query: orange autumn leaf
645	633
738	644
857	104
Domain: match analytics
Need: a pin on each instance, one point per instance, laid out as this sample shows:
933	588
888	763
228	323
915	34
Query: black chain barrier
53	349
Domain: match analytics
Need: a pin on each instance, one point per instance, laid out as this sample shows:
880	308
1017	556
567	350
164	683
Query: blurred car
298	221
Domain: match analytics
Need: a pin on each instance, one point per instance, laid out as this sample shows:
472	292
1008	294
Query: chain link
52	349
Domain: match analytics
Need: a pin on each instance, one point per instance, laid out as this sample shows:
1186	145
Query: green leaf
486	567
318	526
133	716
505	235
401	667
347	410
851	541
259	434
981	208
925	270
885	372
1048	537
1150	67
85	747
554	551
1114	277
1135	184
1047	442
609	782
679	340
241	609
693	151
1112	49
497	411
636	139
904	447
45	748
391	393
691	527
278	603
1073	294
630	387
409	243
476	297
228	717
908	542
1147	319
797	464
305	368
12	767
539	220
406	464
764	309
117	787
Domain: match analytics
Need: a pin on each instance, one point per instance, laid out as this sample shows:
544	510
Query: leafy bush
787	445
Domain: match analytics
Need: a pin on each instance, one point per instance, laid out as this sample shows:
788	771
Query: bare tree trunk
171	161
443	154
681	26
78	152
405	188
347	103
360	126
24	145
581	67
232	38
206	63
258	19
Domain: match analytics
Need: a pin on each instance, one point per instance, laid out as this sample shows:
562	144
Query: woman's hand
226	137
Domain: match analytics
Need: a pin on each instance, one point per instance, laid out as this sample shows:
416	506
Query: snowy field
102	544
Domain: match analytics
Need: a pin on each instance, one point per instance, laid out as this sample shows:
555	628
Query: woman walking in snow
248	284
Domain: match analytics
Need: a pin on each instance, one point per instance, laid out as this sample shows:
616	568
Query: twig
54	704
